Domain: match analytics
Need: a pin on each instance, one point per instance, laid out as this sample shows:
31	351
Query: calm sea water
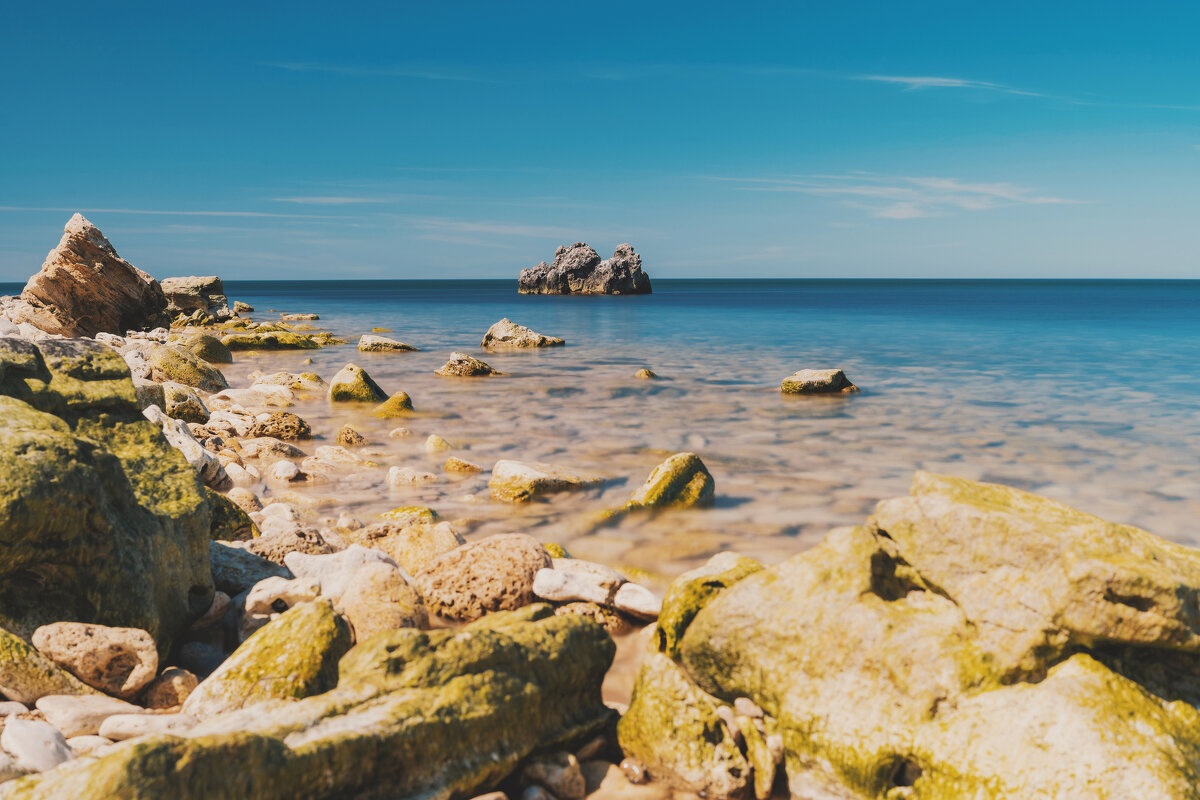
1084	391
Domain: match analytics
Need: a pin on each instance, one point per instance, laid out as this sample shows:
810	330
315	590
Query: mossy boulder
184	403
100	519
209	348
353	385
278	340
682	481
398	405
692	590
292	657
229	522
170	362
436	714
817	381
971	640
520	482
27	676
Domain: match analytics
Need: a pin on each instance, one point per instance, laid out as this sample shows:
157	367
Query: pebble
637	601
170	689
399	433
458	465
117	661
8	707
558	586
36	746
745	707
82	745
285	471
634	771
271	597
126	726
81	715
436	444
407	476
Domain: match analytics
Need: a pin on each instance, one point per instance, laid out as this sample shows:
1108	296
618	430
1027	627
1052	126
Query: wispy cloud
330	201
913	83
393	71
167	213
444	226
904	197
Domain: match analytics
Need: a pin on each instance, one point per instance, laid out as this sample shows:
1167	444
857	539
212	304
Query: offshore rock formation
970	640
101	520
578	270
85	288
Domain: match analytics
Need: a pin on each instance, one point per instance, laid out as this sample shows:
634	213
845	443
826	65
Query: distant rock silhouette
578	270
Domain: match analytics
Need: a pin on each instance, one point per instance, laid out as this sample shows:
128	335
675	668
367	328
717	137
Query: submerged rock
398	405
353	384
970	640
818	381
85	288
371	343
101	520
447	713
518	482
508	334
462	365
681	481
277	340
578	270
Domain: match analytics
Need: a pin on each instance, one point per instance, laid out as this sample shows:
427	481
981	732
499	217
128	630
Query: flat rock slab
82	715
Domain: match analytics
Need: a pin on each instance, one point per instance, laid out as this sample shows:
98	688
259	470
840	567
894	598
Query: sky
469	139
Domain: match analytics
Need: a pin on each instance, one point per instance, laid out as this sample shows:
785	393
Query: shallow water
1082	391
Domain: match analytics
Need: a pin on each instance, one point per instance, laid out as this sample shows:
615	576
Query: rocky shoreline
178	620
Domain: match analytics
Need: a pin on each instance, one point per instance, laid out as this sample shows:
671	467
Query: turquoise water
1083	391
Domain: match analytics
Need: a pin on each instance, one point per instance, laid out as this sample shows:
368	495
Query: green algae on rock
169	362
209	348
100	519
518	482
278	340
681	481
229	522
398	405
817	381
27	676
692	590
183	403
971	640
434	714
462	365
292	657
353	385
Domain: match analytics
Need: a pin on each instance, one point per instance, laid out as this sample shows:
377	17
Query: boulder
85	288
171	362
26	675
293	657
518	482
412	545
508	334
462	365
370	343
117	661
353	384
101	520
446	713
578	270
183	403
492	574
187	295
818	381
209	348
681	481
969	640
381	599
282	425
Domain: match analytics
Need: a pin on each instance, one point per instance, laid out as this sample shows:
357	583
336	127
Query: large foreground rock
578	270
101	520
85	288
435	714
970	641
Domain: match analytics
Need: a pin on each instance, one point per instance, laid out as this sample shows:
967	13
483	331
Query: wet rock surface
577	269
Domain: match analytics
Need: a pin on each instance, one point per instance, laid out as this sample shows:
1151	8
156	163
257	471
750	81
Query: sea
1087	392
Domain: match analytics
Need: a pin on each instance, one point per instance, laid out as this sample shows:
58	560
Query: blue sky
468	139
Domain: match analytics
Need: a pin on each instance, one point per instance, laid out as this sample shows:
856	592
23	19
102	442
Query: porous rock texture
578	270
85	288
101	520
970	640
